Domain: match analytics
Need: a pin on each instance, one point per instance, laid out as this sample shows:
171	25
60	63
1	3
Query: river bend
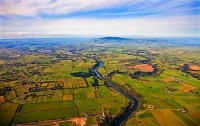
128	113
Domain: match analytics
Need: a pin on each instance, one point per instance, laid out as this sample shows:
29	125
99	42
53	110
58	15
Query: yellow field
107	105
13	93
168	79
167	118
114	93
61	80
82	83
2	99
90	94
47	70
115	78
102	70
80	64
67	97
126	63
68	84
44	84
10	83
51	85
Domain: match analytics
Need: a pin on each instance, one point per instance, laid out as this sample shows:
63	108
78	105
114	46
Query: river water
127	114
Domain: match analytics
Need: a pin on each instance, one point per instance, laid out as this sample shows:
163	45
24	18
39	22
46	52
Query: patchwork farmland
42	83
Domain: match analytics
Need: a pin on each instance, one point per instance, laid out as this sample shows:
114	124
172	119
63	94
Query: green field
54	82
44	115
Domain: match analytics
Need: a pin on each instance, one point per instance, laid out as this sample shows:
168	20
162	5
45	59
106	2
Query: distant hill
114	38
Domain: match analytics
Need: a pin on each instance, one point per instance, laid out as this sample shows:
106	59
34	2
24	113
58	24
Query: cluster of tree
82	74
171	89
47	81
115	72
25	82
96	82
139	73
37	88
185	68
105	119
147	60
30	95
192	91
8	76
196	76
61	56
4	90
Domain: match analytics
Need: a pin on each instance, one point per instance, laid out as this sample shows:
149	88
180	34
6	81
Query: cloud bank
21	18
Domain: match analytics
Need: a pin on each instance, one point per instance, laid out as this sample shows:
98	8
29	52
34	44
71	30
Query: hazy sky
26	18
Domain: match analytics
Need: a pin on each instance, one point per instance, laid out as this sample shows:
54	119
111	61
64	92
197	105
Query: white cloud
33	7
168	26
176	25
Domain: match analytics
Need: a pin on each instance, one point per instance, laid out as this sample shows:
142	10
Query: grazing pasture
7	111
44	115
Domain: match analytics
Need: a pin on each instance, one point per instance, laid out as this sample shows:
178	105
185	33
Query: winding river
127	114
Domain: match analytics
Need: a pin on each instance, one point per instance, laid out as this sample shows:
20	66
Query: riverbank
129	112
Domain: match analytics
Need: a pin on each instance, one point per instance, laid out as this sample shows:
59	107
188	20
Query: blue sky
153	18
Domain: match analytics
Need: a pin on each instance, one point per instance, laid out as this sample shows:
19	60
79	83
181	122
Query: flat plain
41	82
